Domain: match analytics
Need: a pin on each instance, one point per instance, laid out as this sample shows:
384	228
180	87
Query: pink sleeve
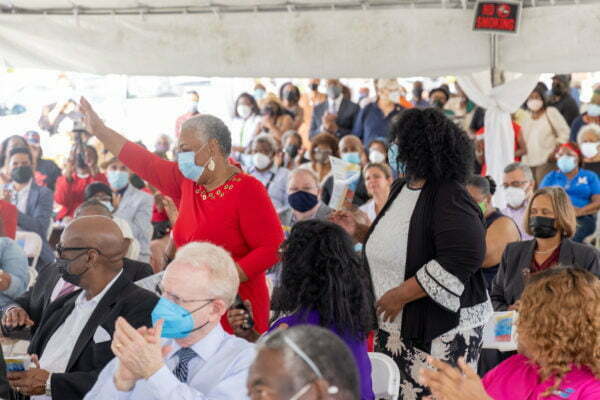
162	174
260	227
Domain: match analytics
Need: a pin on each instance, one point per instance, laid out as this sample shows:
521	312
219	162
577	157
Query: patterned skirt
448	347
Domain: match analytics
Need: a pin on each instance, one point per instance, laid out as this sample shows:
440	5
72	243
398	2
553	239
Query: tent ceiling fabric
332	43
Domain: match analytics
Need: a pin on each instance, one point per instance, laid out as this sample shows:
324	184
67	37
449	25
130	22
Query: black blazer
446	226
345	118
36	298
509	283
124	299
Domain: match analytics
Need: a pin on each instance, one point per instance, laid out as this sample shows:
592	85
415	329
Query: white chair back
385	375
31	243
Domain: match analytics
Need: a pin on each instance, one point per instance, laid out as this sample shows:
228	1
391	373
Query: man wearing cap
46	171
130	204
438	98
560	97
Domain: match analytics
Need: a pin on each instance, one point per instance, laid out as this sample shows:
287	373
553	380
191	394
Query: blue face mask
188	167
259	94
352	158
593	110
566	164
178	322
117	179
303	201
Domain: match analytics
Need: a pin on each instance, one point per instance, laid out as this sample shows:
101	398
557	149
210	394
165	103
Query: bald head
351	144
99	232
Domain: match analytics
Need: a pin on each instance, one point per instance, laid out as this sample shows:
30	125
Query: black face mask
542	227
22	174
292	150
269	111
63	268
438	103
558	89
291	96
314	87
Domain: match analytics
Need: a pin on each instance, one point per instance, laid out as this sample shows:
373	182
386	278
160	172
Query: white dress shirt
219	372
333	106
57	352
20	198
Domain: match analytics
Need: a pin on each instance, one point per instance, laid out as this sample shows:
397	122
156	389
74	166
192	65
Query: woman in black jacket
431	299
552	222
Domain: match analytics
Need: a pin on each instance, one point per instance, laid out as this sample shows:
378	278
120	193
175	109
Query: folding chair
385	375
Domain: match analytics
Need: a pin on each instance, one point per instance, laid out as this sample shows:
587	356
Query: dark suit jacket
345	118
124	299
37	298
509	283
37	219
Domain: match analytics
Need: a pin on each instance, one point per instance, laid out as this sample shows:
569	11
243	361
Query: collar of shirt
335	104
254	171
205	347
122	191
93	302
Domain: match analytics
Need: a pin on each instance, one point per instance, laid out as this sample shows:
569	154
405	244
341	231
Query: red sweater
237	216
70	195
8	215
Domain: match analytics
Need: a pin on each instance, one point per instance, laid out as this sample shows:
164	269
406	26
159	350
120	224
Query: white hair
223	278
594	128
305	171
390	84
268	139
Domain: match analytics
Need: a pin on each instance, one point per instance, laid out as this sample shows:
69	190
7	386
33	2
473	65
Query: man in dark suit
33	202
336	115
73	336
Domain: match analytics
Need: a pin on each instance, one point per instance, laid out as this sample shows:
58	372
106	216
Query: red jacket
70	195
8	215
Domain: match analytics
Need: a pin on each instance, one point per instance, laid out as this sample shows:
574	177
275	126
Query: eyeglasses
176	299
60	249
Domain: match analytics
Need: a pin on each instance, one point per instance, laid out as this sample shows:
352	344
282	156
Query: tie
66	289
185	355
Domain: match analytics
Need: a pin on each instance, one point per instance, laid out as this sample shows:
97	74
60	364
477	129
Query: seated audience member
46	171
518	188
33	202
73	338
335	116
199	360
373	121
322	146
81	170
378	180
303	362
8	144
96	207
558	333
582	186
378	152
162	147
8	219
245	122
351	151
293	152
500	230
131	204
290	98
303	197
590	117
275	121
263	168
589	140
315	289
552	222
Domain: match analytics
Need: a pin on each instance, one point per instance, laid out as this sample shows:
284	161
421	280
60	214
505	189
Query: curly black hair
4	147
431	146
321	272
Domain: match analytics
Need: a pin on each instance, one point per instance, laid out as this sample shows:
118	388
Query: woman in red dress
217	202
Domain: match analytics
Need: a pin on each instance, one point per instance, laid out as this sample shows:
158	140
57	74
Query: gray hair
223	280
521	166
594	128
211	127
267	139
300	170
312	352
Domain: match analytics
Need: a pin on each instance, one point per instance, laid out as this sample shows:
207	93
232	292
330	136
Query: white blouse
243	130
542	135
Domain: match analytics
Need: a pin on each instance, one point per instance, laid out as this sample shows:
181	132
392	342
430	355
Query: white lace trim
445	278
474	316
438	293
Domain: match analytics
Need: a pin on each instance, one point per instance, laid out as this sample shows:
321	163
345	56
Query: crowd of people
264	286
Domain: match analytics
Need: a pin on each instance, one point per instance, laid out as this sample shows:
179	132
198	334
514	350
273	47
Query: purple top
357	347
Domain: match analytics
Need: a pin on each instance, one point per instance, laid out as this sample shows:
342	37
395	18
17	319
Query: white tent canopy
246	38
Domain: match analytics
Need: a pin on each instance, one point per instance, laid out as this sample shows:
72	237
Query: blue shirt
13	261
371	124
218	373
580	189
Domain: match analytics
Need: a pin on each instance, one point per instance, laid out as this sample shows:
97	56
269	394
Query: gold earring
211	164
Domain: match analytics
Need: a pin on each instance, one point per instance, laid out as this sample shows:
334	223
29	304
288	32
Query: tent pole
496	74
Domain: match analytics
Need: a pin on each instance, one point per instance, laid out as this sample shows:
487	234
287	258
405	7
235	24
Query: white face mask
261	161
376	157
590	150
394	96
244	110
535	104
515	197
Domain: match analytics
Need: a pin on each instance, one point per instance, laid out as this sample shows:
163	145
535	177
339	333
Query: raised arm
112	140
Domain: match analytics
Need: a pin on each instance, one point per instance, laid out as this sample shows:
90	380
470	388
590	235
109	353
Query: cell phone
238	304
17	363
